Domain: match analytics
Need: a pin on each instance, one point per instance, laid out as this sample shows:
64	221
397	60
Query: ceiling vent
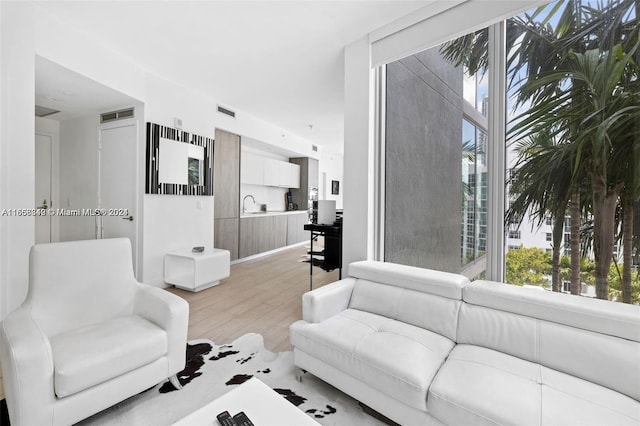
223	110
116	115
314	148
43	112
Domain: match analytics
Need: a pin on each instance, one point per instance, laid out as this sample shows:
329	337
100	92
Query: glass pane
474	192
476	90
570	152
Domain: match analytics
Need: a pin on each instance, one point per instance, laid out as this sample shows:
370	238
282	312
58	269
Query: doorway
94	160
117	182
43	187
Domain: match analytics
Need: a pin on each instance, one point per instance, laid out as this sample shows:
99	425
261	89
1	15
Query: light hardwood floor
263	296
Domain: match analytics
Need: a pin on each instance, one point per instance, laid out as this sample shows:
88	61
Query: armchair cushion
94	354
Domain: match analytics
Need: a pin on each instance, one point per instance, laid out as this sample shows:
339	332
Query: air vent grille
116	115
43	112
226	111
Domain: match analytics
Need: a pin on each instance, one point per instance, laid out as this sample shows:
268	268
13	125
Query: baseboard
266	253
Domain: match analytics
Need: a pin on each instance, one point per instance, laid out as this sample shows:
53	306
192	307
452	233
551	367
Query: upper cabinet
271	174
252	170
294	175
258	170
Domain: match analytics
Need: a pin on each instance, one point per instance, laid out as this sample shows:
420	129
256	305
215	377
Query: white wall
60	43
78	176
166	100
17	148
357	232
331	167
172	223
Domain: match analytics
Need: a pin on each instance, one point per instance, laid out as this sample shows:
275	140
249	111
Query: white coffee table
261	404
196	271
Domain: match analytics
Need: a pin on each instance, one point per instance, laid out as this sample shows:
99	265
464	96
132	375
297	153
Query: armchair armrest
169	312
27	369
327	301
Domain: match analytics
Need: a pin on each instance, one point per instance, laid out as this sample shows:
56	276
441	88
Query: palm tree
605	110
538	51
541	179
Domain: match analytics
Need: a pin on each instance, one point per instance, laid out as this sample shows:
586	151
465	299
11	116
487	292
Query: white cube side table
196	271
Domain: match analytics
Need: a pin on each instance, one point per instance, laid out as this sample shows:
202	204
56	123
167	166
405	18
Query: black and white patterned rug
213	370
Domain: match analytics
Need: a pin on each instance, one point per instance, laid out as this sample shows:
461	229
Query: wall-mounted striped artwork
184	169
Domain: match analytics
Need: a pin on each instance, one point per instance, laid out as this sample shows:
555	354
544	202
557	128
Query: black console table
332	248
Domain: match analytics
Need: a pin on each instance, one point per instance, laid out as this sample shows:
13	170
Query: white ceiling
72	94
281	61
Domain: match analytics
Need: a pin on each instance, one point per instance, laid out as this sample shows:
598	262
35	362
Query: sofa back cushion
422	297
78	283
424	280
595	340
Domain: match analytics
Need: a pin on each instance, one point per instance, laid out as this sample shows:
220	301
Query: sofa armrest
27	369
327	301
169	312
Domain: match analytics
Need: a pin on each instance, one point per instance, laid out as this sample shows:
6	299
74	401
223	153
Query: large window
569	145
571	148
435	171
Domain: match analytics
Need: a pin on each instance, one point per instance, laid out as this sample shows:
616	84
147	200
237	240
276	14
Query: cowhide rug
213	370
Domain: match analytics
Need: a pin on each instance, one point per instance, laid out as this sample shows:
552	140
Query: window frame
496	155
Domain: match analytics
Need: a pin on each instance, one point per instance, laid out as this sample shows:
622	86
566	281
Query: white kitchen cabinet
294	176
252	169
259	170
284	174
271	172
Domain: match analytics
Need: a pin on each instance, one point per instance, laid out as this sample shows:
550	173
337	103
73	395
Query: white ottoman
196	271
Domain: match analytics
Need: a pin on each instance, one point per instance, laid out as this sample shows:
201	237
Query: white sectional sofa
428	347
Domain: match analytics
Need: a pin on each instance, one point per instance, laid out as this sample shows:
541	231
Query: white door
43	188
118	182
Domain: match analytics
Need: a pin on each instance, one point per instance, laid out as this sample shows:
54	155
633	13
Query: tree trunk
558	227
574	208
604	207
627	248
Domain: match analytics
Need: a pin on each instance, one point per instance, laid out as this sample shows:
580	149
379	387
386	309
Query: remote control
225	419
241	419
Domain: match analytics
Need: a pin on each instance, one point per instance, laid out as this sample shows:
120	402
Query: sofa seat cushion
96	353
481	386
395	358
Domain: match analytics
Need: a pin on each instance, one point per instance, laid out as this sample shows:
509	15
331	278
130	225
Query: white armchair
88	334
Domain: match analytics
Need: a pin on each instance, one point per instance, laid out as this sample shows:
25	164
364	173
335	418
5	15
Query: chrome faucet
243	200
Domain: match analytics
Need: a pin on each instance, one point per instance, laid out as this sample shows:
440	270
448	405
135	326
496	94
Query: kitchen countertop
271	213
